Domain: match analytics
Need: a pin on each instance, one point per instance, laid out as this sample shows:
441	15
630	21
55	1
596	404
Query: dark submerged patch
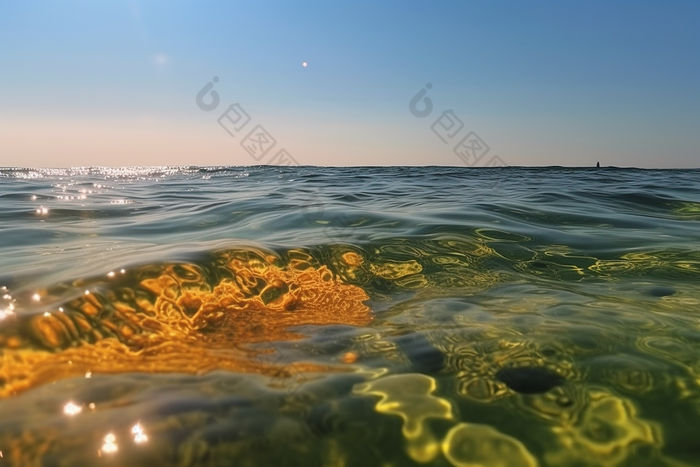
529	380
662	291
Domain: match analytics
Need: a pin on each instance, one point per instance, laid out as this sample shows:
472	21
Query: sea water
349	316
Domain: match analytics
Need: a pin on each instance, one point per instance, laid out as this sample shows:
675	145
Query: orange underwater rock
174	320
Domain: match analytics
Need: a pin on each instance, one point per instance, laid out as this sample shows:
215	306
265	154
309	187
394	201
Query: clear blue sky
113	82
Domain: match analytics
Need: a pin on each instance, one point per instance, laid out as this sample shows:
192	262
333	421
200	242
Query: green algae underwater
360	316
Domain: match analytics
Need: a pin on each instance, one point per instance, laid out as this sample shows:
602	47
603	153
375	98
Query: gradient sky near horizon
542	82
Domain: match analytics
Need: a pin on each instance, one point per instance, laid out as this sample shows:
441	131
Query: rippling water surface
349	316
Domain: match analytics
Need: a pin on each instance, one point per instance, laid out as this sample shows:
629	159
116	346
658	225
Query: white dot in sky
304	64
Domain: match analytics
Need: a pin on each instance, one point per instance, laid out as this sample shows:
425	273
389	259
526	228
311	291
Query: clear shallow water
357	316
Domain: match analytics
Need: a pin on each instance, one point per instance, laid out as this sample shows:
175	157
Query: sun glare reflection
9	308
139	435
5	313
71	409
110	444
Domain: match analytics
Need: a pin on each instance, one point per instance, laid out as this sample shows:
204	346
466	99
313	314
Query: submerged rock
528	380
662	291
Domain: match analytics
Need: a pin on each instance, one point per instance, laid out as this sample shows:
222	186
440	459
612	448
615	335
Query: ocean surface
306	316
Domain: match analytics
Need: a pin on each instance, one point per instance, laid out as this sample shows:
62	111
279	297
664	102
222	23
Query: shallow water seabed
363	317
249	311
174	320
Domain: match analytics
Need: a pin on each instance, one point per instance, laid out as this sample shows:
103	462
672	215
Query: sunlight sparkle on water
71	409
110	445
9	309
139	435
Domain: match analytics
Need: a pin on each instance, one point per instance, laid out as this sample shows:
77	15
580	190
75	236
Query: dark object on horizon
598	164
529	380
662	291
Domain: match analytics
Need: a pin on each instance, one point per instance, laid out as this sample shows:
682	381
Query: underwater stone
662	291
529	380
